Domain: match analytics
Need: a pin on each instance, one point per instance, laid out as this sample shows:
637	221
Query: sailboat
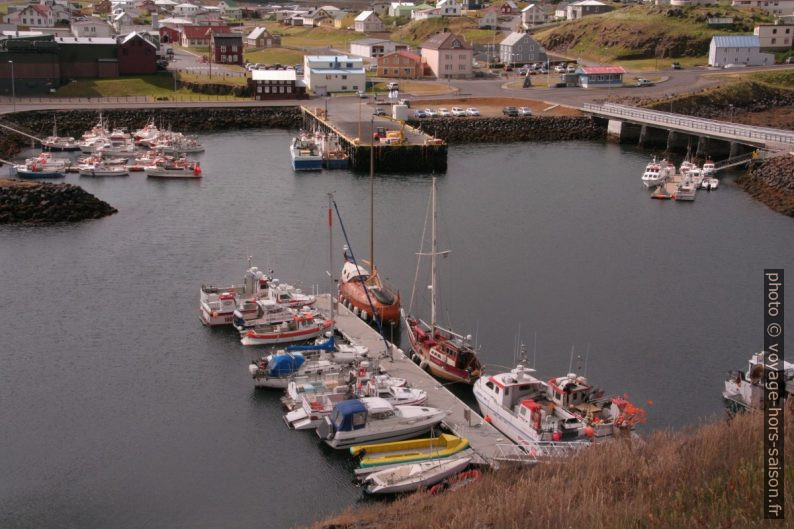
360	288
445	354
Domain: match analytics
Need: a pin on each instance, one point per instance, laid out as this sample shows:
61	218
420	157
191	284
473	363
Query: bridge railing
730	130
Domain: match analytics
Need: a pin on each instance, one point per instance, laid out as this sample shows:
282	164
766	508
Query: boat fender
487	419
423	364
364	315
362	372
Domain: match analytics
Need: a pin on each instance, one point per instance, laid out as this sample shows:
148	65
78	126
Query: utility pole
13	87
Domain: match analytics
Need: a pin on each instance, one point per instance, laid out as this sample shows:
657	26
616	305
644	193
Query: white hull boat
103	170
372	419
218	305
174	171
301	328
686	191
278	369
413	476
709	183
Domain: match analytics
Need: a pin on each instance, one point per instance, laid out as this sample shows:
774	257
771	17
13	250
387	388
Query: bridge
654	126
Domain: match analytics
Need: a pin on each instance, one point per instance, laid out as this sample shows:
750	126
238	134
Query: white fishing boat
42	166
276	370
180	169
709	168
119	144
314	408
709	183
305	153
517	404
744	390
59	143
373	419
285	294
312	385
686	190
254	312
301	327
217	305
656	173
413	476
146	134
695	175
101	169
92	145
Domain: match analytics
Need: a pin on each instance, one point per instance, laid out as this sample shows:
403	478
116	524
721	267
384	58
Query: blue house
600	76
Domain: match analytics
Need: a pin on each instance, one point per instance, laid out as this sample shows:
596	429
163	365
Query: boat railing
537	452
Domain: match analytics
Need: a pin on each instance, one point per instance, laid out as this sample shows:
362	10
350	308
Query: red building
136	55
169	35
226	48
199	36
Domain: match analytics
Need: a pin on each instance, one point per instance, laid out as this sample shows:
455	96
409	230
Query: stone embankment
25	202
772	183
503	130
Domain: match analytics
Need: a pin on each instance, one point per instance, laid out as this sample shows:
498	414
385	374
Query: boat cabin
569	391
351	272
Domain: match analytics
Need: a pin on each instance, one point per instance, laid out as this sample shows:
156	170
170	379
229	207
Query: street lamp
13	87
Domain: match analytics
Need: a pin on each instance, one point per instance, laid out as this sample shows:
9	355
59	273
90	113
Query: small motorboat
661	193
217	305
302	327
413	476
709	183
709	168
686	190
376	455
278	369
657	173
59	143
103	170
179	169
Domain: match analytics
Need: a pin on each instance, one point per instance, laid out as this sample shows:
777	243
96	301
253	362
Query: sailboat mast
372	196
433	252
331	254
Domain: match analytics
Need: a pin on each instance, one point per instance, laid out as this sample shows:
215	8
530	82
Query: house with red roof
170	35
401	64
448	56
199	36
33	15
600	76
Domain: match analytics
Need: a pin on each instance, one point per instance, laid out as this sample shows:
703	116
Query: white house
585	8
775	36
424	14
123	20
773	7
228	10
165	5
397	9
561	11
449	8
737	49
373	48
520	48
91	27
39	15
368	22
186	10
325	74
532	15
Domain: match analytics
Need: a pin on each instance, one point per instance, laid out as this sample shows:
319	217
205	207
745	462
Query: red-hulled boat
354	285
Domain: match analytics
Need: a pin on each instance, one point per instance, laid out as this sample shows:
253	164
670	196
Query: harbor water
118	409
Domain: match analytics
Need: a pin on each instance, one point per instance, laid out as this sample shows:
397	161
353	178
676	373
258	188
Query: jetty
407	150
489	445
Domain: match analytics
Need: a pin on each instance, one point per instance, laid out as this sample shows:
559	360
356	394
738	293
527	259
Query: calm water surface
118	409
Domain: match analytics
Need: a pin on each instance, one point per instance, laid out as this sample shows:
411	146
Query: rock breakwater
25	202
503	130
772	183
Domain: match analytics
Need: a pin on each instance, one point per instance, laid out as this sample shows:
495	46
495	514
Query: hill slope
640	32
708	477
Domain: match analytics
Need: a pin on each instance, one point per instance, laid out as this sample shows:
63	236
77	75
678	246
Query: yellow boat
408	451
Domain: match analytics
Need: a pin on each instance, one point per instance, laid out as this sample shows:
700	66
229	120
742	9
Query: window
267	89
344	88
223	49
355	87
448	56
461	67
489	385
289	89
774	41
259	89
462	57
447	66
234	48
344	77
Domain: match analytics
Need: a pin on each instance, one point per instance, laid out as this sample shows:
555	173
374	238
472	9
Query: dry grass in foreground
705	477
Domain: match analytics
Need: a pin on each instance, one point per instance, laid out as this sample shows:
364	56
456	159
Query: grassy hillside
418	31
709	477
645	32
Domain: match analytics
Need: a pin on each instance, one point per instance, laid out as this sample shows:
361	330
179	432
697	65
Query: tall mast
331	254
372	195
433	253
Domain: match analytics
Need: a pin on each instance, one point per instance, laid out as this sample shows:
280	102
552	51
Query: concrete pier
488	443
419	152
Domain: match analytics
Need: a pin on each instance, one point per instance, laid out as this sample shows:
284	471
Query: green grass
274	56
419	30
157	86
308	37
661	64
779	79
4	5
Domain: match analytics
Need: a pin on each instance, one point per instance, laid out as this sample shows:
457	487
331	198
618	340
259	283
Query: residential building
449	8
737	49
169	35
401	64
166	6
401	9
380	7
186	10
585	8
774	36
773	7
260	37
425	13
448	56
136	55
228	10
81	57
508	8
561	11
199	36
600	76
91	27
276	84
373	48
532	15
368	22
489	19
226	48
38	15
122	20
521	48
324	74
473	4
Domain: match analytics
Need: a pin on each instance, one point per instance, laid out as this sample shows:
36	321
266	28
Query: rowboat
410	477
440	447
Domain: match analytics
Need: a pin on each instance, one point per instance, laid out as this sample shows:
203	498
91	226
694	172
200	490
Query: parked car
404	102
789	60
643	82
457	111
560	68
524	111
735	66
471	111
431	113
676	66
379	112
543	71
571	69
362	94
510	111
420	114
444	113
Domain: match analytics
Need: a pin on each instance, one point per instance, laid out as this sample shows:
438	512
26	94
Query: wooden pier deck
488	443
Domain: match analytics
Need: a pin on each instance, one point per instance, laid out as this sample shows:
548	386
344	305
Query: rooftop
363	16
273	75
601	69
369	42
445	41
736	41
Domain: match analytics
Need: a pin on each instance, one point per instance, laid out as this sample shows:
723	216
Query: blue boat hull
336	163
38	174
307	165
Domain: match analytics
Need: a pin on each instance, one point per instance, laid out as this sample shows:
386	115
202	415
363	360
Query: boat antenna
570	363
249	261
360	278
476	334
331	258
586	356
535	350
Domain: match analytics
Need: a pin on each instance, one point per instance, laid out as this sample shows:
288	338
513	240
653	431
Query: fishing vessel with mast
444	353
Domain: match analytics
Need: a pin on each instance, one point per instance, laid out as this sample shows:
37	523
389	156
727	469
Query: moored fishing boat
686	190
101	169
57	143
179	169
253	312
657	173
413	476
42	166
373	419
334	156
442	352
380	454
744	390
305	153
302	327
217	305
276	370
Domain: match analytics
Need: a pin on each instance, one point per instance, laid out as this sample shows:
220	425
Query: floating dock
418	153
489	444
